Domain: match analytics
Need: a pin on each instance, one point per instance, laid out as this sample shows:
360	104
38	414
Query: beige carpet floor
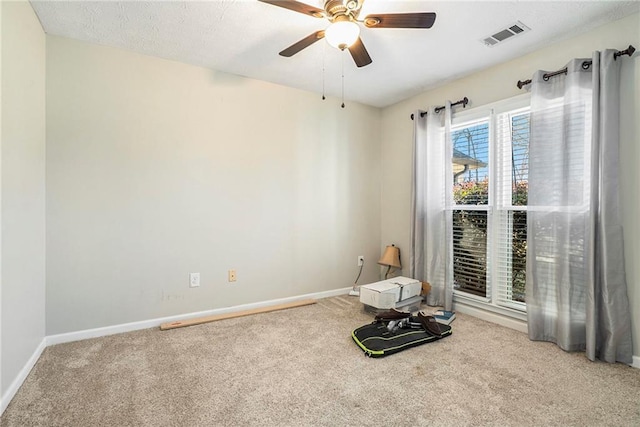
299	367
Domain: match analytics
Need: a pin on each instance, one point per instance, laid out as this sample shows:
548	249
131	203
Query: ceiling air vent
505	34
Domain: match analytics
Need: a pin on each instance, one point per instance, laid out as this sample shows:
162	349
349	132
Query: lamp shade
390	257
342	34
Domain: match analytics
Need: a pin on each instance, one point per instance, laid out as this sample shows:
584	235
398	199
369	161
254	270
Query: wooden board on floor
200	320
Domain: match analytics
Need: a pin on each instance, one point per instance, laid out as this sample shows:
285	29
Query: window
470	159
490	184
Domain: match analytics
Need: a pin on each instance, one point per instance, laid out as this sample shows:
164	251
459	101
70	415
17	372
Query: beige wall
156	169
22	153
498	83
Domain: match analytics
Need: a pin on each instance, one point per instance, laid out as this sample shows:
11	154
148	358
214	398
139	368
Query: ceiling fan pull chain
324	50
343	54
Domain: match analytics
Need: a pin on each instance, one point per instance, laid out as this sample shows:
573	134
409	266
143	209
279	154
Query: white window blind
470	273
512	149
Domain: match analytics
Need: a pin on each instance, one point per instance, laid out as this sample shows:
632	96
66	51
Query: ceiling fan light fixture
342	34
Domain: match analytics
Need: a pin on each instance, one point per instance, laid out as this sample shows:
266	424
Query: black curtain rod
464	101
585	65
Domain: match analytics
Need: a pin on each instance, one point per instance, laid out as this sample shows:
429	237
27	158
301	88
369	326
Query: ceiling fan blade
296	6
359	53
401	20
305	42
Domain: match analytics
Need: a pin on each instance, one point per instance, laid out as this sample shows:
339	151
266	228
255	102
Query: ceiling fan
344	30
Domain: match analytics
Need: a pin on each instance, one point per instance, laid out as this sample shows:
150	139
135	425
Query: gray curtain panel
431	219
576	290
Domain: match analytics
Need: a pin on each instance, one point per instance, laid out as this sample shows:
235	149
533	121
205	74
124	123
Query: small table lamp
390	258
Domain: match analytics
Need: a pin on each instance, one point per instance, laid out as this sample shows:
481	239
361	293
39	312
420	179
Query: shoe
430	324
392	314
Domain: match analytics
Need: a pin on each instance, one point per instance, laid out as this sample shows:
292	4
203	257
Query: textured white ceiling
244	37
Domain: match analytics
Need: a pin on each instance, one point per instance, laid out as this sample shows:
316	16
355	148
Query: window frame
490	112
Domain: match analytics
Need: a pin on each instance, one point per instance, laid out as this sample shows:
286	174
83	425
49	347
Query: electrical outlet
360	260
232	275
194	280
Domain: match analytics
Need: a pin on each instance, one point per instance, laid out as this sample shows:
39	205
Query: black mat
382	337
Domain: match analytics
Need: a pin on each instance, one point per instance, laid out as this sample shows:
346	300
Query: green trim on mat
365	349
421	331
410	344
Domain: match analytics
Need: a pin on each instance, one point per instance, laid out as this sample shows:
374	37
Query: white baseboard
151	323
509	322
636	362
22	375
